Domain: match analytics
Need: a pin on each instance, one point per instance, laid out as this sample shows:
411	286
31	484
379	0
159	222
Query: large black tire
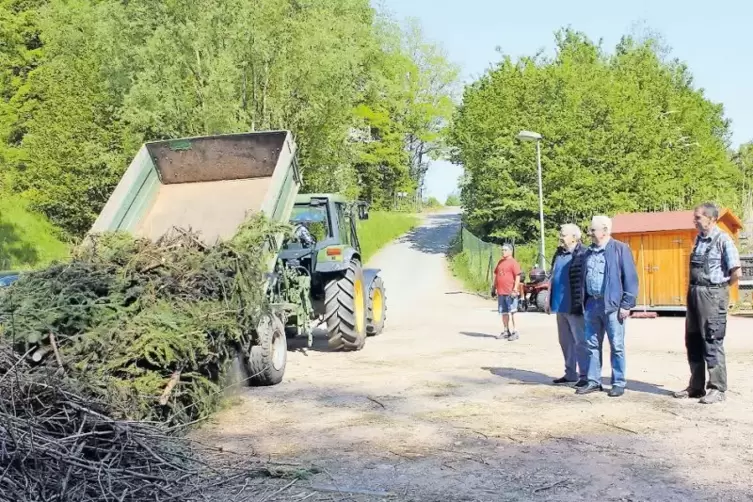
345	310
267	359
541	300
376	314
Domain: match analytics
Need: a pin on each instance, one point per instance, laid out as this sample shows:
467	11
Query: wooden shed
661	243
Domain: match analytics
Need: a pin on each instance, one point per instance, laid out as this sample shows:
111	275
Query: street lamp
534	136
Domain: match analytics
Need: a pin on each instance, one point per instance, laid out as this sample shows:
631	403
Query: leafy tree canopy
625	131
83	84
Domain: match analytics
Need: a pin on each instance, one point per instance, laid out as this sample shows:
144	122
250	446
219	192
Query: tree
109	75
622	132
452	200
21	51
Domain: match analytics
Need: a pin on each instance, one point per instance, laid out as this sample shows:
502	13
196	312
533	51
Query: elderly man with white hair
609	287
565	301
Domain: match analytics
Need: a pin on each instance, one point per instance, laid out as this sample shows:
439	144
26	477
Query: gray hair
571	229
710	210
602	221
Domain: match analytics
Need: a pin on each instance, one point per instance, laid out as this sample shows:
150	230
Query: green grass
458	260
382	228
27	239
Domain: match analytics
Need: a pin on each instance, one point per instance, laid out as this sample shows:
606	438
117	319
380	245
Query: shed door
667	267
639	247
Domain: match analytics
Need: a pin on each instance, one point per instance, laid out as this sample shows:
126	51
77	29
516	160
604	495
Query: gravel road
436	408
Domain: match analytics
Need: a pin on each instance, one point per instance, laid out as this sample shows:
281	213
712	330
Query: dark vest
577	265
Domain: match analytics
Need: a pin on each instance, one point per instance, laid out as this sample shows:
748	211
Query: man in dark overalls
714	267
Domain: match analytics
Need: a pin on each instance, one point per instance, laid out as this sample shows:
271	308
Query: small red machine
536	291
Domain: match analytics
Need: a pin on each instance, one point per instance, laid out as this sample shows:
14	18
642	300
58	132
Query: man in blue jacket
609	290
565	302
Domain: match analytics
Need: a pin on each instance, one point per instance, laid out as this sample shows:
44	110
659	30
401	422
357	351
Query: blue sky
714	38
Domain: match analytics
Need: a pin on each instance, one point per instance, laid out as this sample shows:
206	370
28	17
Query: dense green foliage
432	203
127	315
82	84
381	228
626	131
27	239
452	200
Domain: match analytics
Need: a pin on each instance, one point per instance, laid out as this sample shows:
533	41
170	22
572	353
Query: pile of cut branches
58	443
152	326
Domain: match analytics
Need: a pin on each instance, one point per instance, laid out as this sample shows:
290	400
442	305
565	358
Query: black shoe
616	391
562	380
689	393
589	388
581	383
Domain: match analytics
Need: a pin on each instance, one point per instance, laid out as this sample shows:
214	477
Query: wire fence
481	257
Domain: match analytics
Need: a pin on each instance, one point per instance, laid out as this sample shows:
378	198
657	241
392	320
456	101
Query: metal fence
481	256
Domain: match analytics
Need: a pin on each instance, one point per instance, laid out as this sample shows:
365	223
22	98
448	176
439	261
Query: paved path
435	408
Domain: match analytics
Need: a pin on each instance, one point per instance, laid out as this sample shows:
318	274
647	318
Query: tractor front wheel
376	314
345	310
265	365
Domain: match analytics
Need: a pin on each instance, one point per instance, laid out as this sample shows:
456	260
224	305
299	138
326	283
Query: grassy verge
458	258
381	228
27	239
458	261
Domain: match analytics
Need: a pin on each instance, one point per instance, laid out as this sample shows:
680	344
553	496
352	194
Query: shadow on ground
536	378
435	236
475	334
320	343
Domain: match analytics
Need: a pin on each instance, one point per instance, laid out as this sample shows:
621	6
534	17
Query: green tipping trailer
211	184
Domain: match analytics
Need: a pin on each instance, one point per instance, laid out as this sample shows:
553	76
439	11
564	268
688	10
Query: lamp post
534	136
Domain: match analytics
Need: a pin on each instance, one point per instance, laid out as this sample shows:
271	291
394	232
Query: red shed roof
627	223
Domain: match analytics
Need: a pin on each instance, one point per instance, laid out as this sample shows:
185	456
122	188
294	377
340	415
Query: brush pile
106	359
58	443
149	328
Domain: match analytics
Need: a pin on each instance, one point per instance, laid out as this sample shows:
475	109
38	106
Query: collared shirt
595	267
722	258
561	283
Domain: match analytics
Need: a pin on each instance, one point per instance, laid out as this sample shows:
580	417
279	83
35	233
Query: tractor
321	270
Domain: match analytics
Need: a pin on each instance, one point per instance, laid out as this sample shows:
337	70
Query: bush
150	328
433	202
452	200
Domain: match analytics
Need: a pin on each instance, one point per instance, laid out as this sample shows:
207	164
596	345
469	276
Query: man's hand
624	314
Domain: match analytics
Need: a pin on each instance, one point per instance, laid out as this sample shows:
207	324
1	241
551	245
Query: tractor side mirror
363	212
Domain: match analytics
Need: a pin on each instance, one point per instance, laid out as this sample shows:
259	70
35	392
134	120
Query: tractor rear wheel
376	313
345	310
265	364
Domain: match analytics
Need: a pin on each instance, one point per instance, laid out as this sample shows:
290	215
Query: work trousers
570	329
705	328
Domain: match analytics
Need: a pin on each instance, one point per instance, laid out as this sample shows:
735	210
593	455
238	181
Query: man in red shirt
506	288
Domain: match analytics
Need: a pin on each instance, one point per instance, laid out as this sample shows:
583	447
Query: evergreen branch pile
152	326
